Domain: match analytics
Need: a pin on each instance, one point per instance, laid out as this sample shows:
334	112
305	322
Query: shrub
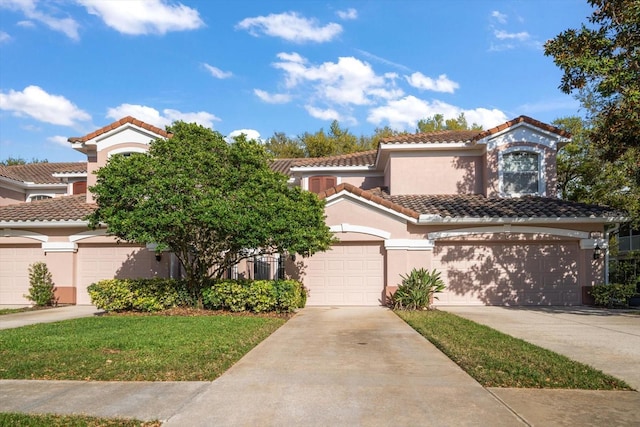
613	295
417	290
41	288
145	295
257	296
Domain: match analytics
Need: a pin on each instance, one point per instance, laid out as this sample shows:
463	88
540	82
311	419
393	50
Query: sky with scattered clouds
69	67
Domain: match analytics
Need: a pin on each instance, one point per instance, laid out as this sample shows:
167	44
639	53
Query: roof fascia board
332	168
551	135
562	232
43	224
69	174
433	219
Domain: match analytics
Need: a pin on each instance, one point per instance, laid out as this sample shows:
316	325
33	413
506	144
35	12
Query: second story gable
517	158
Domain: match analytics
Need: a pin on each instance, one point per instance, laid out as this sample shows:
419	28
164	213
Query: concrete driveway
608	340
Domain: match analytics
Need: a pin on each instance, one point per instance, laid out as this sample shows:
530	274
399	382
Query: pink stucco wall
435	173
10	197
364	182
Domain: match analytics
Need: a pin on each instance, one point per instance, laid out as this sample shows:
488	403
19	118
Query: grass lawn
131	348
498	360
25	420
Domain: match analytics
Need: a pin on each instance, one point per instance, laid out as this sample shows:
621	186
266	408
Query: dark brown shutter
80	187
318	184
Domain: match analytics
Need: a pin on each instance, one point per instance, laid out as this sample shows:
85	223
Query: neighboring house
478	206
38	181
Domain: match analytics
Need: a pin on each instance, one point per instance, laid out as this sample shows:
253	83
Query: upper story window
318	184
521	173
39	197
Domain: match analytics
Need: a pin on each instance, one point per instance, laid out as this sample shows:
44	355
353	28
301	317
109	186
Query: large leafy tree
280	146
211	203
601	64
584	176
438	123
15	161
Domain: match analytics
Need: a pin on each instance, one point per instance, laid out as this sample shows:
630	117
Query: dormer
126	136
521	158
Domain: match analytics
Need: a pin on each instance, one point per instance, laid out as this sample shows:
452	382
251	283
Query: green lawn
498	360
25	420
131	348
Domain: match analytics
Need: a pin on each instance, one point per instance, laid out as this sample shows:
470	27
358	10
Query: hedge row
149	295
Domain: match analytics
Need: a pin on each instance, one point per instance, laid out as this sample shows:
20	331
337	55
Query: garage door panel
508	274
14	272
348	274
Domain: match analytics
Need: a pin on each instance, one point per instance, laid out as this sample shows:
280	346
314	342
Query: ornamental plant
417	290
41	288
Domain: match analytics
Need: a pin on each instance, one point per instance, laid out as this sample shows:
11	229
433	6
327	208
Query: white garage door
14	272
348	274
99	262
508	274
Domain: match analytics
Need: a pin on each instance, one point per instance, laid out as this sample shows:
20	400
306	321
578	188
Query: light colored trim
7	232
124	150
494	140
433	219
348	228
408	245
69	174
509	229
591	243
542	176
42	224
60	247
87	234
338	197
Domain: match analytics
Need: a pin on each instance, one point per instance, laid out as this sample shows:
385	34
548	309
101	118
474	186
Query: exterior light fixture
159	256
597	252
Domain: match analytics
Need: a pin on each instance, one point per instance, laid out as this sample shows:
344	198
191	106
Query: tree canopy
15	161
211	203
601	65
584	176
438	123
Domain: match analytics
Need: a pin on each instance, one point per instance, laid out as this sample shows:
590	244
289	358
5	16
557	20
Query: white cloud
442	84
327	114
503	35
348	14
67	26
137	17
26	24
33	101
376	58
249	133
348	81
291	27
272	98
217	72
60	140
153	117
500	17
4	37
404	114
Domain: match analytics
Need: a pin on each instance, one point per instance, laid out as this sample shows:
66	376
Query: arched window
521	173
39	197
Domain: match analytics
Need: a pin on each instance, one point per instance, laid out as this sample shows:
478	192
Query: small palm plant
417	290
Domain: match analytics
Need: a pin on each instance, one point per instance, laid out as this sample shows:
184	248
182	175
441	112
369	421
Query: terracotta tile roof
468	136
116	125
281	165
66	208
478	206
438	137
363	158
522	119
41	173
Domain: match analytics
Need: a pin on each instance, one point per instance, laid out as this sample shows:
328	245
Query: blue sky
70	67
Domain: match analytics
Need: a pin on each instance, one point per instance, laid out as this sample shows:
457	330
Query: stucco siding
14	272
415	173
11	197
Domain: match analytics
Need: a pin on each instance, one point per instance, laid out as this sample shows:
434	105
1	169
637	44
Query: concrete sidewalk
56	314
330	366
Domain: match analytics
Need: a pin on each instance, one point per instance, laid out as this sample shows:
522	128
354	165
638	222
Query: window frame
541	191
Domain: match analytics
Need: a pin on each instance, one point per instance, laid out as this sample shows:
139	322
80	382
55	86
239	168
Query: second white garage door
347	274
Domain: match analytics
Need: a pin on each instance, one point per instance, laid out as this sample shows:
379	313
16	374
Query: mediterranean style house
478	206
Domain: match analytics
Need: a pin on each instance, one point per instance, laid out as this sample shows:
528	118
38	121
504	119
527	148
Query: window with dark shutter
318	184
80	187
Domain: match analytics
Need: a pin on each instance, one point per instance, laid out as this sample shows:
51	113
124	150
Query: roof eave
43	224
429	219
